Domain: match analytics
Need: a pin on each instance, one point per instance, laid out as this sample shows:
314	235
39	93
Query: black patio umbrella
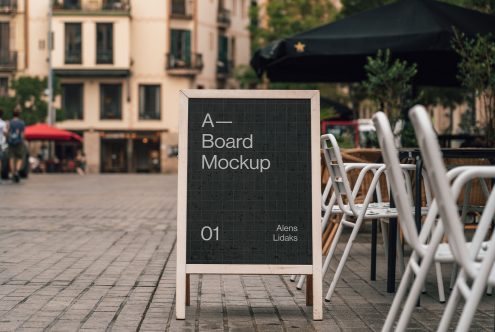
418	31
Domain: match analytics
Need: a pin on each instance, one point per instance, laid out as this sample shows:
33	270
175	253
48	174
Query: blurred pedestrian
81	163
15	140
3	140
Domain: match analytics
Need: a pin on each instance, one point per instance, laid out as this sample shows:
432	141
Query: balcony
108	7
178	66
224	68
73	57
8	60
223	18
8	7
182	9
104	57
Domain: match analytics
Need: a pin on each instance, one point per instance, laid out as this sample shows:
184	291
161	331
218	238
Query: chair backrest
396	180
439	183
338	176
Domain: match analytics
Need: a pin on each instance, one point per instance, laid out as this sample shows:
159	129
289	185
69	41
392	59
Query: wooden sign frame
313	271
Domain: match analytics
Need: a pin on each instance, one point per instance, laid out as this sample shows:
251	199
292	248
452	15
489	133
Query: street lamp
51	114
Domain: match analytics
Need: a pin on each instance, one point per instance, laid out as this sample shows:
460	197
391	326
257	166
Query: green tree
389	83
477	74
29	96
389	86
283	18
351	7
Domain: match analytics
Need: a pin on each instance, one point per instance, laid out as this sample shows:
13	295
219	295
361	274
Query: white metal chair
330	208
476	259
353	214
426	246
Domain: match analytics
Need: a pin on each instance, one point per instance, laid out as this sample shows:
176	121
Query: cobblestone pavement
97	253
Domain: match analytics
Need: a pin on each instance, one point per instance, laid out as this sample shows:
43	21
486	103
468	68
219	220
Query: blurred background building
120	65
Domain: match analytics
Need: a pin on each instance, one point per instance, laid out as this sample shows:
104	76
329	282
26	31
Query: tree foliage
351	7
29	95
283	18
389	82
477	73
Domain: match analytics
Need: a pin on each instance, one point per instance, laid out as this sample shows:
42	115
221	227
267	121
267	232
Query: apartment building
121	64
11	42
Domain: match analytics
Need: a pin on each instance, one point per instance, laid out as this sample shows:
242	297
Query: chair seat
444	254
382	210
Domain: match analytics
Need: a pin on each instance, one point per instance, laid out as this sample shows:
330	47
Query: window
4	43
149	102
4	86
73	43
72	101
72	4
223	54
104	43
110	101
180	48
179	7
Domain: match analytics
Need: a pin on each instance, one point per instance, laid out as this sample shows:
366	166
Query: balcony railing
109	6
8	6
223	18
8	60
182	9
104	56
224	68
179	66
73	57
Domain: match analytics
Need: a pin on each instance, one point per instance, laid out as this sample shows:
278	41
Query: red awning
44	132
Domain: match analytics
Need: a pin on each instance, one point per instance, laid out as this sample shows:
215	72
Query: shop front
130	152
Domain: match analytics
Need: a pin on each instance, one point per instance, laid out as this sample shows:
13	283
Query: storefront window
111	101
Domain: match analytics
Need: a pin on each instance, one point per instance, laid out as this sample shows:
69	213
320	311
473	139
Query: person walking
15	139
3	140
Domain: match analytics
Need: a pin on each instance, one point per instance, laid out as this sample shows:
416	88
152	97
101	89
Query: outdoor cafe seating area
433	225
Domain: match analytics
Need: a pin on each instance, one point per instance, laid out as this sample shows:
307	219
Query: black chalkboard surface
249	198
249	181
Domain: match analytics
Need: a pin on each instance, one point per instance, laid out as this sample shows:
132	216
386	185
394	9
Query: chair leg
400	254
384	229
331	251
401	291
300	284
489	290
453	275
473	301
293	278
342	262
424	267
441	291
449	310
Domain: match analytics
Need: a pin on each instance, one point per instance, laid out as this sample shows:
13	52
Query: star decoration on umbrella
299	47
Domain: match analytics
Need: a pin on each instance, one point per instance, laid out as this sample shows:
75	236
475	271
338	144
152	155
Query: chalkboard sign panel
249	181
249	186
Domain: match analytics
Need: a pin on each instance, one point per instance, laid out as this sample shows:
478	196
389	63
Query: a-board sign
249	186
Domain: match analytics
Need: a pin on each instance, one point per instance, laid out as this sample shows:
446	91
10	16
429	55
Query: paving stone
96	253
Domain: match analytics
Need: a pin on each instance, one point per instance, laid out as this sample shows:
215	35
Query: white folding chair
475	259
353	214
330	207
426	246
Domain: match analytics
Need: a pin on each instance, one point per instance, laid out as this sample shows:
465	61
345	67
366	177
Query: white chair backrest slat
439	183
396	179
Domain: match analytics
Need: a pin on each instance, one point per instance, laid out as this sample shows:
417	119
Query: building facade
120	65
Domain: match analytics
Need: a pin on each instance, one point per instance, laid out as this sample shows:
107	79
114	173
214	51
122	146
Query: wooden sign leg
188	290
309	290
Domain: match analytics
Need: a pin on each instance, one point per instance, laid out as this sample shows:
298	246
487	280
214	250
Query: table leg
418	194
373	249
392	251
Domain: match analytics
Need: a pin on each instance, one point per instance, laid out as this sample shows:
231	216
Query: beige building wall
141	42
